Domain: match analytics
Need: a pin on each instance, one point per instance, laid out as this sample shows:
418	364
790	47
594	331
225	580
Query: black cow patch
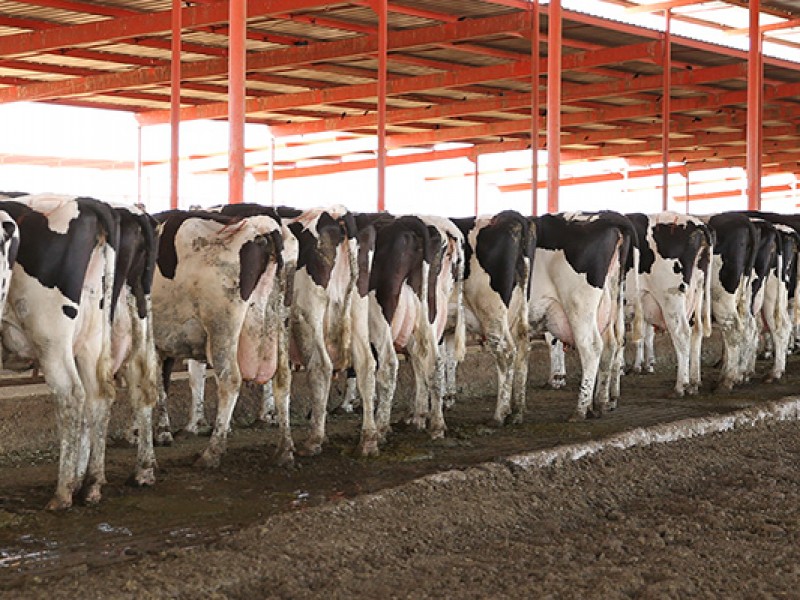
317	254
69	311
502	247
59	260
736	242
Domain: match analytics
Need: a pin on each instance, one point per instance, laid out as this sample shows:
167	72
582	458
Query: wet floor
191	506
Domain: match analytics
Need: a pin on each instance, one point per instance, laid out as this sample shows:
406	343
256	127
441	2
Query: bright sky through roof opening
447	187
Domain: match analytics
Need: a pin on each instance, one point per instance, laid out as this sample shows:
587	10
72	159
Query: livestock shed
681	491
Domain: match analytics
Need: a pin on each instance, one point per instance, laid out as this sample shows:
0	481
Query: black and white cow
498	256
674	286
736	241
132	343
577	294
58	315
220	296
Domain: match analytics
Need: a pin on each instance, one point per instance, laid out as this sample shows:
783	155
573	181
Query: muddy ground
711	517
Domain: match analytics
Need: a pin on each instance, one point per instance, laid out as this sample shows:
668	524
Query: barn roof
459	71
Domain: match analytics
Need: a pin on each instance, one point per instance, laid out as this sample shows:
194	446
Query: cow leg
520	369
589	344
695	356
141	369
558	369
364	366
649	349
62	377
163	435
197	384
351	398
731	337
320	371
449	386
229	380
267	412
438	426
99	398
681	333
608	353
501	346
281	385
386	374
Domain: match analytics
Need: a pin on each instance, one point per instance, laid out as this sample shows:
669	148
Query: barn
500	299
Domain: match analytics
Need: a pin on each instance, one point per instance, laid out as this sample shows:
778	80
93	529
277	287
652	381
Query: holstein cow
321	336
219	295
58	314
132	343
402	309
778	310
577	295
674	286
736	241
498	256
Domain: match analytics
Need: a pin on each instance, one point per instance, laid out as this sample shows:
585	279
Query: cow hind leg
197	383
589	344
501	347
229	380
163	428
520	372
558	369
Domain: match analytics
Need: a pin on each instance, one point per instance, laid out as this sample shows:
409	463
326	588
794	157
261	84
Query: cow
498	256
736	241
320	325
58	314
674	286
220	295
577	294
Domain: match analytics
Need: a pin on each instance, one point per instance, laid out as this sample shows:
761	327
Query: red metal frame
175	105
236	99
755	97
535	69
380	7
665	115
553	104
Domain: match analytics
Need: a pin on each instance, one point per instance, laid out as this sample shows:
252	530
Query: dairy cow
58	316
220	296
577	294
736	240
498	257
674	286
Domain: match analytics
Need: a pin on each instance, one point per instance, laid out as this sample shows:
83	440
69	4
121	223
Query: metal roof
458	70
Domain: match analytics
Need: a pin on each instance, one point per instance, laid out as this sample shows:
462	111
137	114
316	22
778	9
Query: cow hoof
57	503
310	449
724	387
92	495
142	478
595	413
368	448
264	423
677	394
438	433
284	459
577	417
517	419
208	460
449	401
163	438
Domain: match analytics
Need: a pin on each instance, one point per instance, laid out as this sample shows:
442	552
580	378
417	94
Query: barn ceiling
459	71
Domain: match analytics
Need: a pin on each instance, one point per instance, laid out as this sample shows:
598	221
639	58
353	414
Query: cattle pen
197	513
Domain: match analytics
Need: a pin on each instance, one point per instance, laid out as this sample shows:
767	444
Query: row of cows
99	296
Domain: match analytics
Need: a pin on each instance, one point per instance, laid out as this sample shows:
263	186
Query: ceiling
459	71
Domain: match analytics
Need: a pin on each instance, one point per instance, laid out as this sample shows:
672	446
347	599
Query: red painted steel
380	6
553	104
665	113
535	69
175	105
755	72
236	99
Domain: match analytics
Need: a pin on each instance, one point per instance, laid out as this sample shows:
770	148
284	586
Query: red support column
175	104
476	179
381	8
755	74
139	165
236	98
553	104
535	35
666	106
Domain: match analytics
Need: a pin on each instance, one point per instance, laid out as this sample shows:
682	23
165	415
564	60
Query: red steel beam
733	193
175	104
553	104
755	72
535	71
380	7
142	24
666	108
236	99
273	59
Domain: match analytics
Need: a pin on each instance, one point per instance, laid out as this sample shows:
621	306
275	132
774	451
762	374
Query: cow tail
105	364
637	327
352	287
460	336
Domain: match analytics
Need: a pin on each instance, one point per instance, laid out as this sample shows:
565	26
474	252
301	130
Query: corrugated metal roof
459	72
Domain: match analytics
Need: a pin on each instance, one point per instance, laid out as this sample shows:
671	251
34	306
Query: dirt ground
709	517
